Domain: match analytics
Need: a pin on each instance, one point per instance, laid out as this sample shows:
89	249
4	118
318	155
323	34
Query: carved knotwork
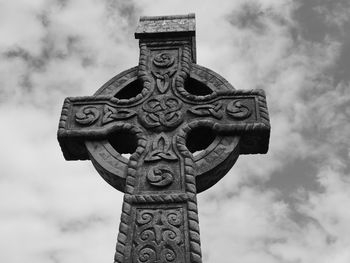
163	80
162	74
161	111
161	149
211	110
112	114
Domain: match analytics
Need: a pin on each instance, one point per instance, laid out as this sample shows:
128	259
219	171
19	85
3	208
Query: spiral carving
159	239
146	255
87	115
169	255
160	176
163	60
237	110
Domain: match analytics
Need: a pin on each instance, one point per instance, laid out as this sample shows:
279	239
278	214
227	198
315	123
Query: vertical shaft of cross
160	225
159	221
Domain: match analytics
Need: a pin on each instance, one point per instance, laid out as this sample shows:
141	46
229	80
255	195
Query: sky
288	206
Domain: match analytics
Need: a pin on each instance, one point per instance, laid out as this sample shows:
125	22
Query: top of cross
166	25
167	95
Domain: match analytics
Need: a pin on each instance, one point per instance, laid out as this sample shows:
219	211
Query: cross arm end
72	148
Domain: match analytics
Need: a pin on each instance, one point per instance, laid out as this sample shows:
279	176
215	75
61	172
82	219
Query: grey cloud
82	224
296	173
126	11
249	16
252	15
321	20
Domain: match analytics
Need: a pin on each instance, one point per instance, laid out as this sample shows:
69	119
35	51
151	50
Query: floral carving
87	115
158	236
237	110
111	114
210	110
161	149
161	111
160	176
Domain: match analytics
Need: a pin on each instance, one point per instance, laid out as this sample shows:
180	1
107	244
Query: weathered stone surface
166	24
163	112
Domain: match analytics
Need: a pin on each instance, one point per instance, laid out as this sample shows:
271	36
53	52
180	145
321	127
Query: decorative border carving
185	68
143	73
129	189
159	198
192	210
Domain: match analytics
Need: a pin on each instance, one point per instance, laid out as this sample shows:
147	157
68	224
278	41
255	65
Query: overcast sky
289	206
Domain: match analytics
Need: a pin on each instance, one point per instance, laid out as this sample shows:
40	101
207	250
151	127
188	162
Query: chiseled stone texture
164	24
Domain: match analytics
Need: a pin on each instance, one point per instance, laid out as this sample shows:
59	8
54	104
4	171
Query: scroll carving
161	111
237	110
160	176
208	110
87	115
161	149
158	236
111	114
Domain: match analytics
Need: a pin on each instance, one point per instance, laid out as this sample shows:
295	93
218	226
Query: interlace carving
163	61
163	80
161	149
161	111
112	114
213	110
159	236
87	115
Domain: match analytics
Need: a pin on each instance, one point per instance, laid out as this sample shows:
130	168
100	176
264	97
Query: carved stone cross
183	125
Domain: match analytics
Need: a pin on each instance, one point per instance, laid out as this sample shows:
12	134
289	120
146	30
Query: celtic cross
183	125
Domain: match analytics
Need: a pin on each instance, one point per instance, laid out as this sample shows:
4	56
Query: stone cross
184	126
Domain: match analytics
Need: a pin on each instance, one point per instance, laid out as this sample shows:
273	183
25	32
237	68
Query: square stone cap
163	26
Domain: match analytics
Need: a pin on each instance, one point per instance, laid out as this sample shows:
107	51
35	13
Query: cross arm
85	118
238	112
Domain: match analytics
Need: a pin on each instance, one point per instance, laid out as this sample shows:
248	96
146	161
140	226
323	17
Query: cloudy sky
289	206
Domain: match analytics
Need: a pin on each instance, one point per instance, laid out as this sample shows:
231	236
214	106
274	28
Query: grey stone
184	126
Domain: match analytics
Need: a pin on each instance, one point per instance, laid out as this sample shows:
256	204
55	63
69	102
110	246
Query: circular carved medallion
87	115
160	176
163	60
162	112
